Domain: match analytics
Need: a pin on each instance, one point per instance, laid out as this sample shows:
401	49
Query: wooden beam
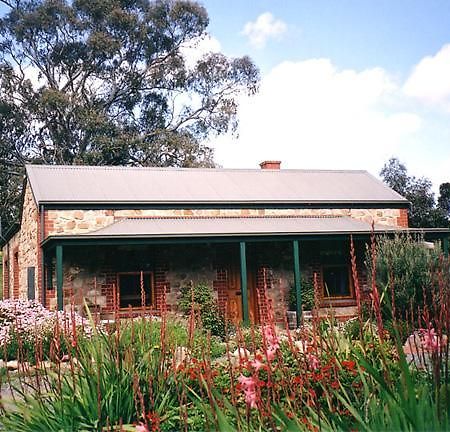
59	277
244	290
297	282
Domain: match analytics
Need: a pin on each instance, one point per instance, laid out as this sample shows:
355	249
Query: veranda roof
235	226
169	186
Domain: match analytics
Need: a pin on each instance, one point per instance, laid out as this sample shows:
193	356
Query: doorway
234	295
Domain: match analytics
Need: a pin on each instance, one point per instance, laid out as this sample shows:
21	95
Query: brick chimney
274	165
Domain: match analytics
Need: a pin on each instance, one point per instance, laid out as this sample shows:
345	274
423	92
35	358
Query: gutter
87	237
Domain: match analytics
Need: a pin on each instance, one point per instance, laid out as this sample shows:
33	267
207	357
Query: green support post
59	277
445	246
244	289
297	282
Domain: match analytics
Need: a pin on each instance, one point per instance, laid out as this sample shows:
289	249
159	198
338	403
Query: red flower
298	380
349	364
335	384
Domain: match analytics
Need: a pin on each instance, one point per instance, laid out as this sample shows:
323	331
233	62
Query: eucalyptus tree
113	82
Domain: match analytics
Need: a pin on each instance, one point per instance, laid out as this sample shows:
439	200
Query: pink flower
271	337
249	386
250	398
141	428
271	353
257	364
430	339
247	381
313	361
273	344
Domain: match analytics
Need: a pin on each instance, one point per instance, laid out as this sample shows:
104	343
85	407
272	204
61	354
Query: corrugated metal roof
104	185
234	226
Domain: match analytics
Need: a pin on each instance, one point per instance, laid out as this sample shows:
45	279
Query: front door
234	295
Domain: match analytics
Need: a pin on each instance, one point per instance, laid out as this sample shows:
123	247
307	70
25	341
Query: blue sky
345	84
355	34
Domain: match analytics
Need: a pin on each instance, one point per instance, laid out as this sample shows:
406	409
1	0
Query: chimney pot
270	165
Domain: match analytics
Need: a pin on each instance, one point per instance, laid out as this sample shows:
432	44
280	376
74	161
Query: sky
344	84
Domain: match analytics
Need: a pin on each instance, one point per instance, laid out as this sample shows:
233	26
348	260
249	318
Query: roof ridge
235	217
186	169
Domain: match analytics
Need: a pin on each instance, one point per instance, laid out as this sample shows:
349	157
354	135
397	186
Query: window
130	289
31	272
6	279
336	281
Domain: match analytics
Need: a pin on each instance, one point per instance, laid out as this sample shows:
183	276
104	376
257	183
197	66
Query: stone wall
25	244
60	222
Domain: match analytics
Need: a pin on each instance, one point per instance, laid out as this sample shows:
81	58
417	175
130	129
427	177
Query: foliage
307	290
111	83
423	212
156	374
26	327
404	268
443	202
198	301
109	366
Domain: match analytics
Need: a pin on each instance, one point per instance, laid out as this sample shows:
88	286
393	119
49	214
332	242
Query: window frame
351	291
137	273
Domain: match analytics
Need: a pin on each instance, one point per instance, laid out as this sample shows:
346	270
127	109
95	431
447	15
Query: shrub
307	290
403	265
27	330
200	301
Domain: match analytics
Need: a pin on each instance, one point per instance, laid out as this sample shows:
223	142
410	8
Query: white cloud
198	47
265	27
429	81
310	114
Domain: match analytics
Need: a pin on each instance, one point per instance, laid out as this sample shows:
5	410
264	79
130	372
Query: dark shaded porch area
247	277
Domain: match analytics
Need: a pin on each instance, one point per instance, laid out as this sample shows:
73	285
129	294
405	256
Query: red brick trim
5	278
220	284
16	274
402	220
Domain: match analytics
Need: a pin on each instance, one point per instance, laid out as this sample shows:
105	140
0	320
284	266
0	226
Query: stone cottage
128	238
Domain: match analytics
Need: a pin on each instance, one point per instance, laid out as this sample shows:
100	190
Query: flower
270	337
257	364
349	365
29	320
249	386
141	428
313	361
430	339
271	353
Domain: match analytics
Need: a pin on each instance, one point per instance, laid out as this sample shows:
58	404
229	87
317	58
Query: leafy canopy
424	211
111	82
